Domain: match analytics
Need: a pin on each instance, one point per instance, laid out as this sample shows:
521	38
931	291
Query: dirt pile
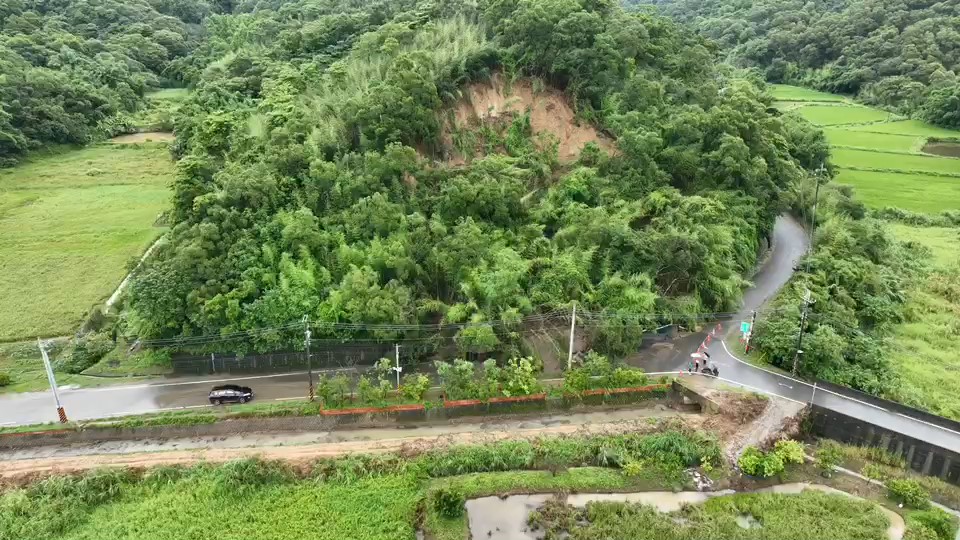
497	102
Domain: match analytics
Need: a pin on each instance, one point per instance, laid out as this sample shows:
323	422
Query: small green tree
789	451
339	389
520	378
324	391
909	492
829	455
5	379
458	379
492	379
414	386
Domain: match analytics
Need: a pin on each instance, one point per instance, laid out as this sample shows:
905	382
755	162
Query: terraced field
880	154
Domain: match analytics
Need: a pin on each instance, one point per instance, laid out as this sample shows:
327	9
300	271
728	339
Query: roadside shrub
5	379
520	378
414	386
909	492
458	382
576	381
84	352
502	456
449	502
755	463
829	455
940	523
789	451
875	472
625	377
916	531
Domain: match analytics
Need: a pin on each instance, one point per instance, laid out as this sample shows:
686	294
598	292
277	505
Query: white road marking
821	389
786	385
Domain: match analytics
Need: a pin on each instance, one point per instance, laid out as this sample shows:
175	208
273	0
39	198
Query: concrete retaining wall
357	418
891	405
923	457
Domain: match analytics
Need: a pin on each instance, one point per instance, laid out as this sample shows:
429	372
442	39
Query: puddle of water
497	518
503	519
150	136
942	148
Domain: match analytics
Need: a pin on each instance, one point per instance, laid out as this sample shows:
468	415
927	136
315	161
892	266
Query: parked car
230	393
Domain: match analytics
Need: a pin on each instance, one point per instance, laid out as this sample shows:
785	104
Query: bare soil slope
496	102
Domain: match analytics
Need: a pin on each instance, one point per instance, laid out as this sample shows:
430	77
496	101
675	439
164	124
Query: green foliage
806	516
5	379
449	503
457	379
854	48
633	468
856	276
414	386
829	456
314	179
757	463
70	69
909	492
597	371
520	378
941	524
84	352
790	452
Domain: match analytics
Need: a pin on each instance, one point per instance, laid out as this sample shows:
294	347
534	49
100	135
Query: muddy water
149	136
497	518
942	148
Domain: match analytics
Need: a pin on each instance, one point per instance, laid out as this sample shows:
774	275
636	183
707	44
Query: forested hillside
314	175
69	66
900	55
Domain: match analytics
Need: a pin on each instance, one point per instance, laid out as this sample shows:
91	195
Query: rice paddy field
880	154
69	224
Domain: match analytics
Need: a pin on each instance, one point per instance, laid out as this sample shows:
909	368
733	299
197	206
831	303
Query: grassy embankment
880	154
389	497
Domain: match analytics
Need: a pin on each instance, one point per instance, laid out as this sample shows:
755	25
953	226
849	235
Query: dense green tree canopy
312	178
901	55
68	65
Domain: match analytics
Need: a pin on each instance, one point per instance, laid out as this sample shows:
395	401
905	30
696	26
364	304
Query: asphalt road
789	243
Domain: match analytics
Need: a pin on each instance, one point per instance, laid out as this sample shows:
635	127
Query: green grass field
829	115
69	224
866	159
880	157
839	137
915	128
915	192
785	92
924	347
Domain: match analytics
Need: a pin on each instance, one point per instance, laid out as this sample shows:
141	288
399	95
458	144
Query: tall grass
443	49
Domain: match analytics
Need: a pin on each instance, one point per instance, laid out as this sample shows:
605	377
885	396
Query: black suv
230	393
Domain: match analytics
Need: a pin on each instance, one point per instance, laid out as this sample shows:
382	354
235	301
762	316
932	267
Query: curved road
790	242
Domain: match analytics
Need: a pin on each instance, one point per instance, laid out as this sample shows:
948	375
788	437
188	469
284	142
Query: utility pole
573	328
753	322
807	301
53	382
398	369
306	335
